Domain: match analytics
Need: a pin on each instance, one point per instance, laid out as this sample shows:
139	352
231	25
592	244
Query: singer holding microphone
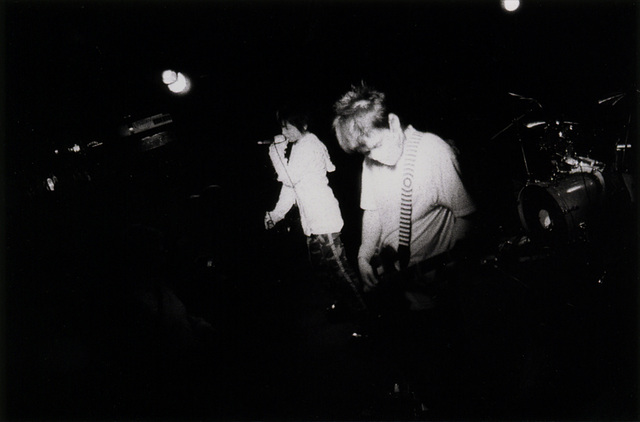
301	162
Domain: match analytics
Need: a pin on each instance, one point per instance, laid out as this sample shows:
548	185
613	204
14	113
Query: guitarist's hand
367	273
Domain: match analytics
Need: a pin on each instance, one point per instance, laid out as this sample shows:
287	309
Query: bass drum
561	211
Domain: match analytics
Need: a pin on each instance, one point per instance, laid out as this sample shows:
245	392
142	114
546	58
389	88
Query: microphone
275	140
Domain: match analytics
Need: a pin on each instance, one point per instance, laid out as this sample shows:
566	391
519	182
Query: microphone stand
513	123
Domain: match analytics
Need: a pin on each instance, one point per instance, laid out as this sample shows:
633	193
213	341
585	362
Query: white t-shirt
304	182
439	196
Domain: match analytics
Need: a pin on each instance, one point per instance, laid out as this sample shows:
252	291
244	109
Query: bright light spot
181	85
50	183
574	188
169	77
510	5
177	82
534	124
545	219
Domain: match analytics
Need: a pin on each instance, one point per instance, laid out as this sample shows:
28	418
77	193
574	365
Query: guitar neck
386	263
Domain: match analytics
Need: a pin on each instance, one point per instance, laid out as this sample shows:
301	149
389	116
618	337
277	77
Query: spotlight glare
510	5
177	82
181	85
169	77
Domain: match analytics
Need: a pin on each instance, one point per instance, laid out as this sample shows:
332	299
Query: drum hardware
563	195
622	104
556	137
560	211
516	122
535	124
621	148
613	99
528	99
570	164
551	137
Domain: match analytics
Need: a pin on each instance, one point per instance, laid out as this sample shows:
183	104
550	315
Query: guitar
429	277
419	276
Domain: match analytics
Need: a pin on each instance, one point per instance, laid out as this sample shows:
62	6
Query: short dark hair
297	117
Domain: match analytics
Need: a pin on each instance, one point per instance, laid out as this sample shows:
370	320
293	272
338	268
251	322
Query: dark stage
140	284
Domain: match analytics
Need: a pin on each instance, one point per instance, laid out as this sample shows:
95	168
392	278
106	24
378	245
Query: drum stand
514	123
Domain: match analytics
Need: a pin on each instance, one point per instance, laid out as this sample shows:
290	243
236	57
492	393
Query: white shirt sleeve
285	201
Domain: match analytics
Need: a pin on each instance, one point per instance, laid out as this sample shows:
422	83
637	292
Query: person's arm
285	201
371	230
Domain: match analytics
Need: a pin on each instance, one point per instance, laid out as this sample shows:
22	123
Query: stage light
510	5
50	183
169	77
177	82
181	85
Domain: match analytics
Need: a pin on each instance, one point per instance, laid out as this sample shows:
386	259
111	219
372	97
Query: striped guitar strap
404	234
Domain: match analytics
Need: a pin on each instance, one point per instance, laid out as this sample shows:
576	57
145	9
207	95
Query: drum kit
564	190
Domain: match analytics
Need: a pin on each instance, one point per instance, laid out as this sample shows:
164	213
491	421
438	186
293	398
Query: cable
284	166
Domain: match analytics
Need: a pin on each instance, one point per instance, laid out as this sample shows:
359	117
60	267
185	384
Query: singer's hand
268	222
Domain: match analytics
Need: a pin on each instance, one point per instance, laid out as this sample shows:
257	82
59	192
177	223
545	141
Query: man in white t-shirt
436	204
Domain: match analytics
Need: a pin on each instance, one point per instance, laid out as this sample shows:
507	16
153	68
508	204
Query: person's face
384	145
291	133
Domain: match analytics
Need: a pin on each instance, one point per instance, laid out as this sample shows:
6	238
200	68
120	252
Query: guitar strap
406	199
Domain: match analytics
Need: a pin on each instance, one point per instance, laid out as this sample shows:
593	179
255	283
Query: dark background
76	72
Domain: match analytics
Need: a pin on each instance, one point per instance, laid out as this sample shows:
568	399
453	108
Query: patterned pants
328	257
